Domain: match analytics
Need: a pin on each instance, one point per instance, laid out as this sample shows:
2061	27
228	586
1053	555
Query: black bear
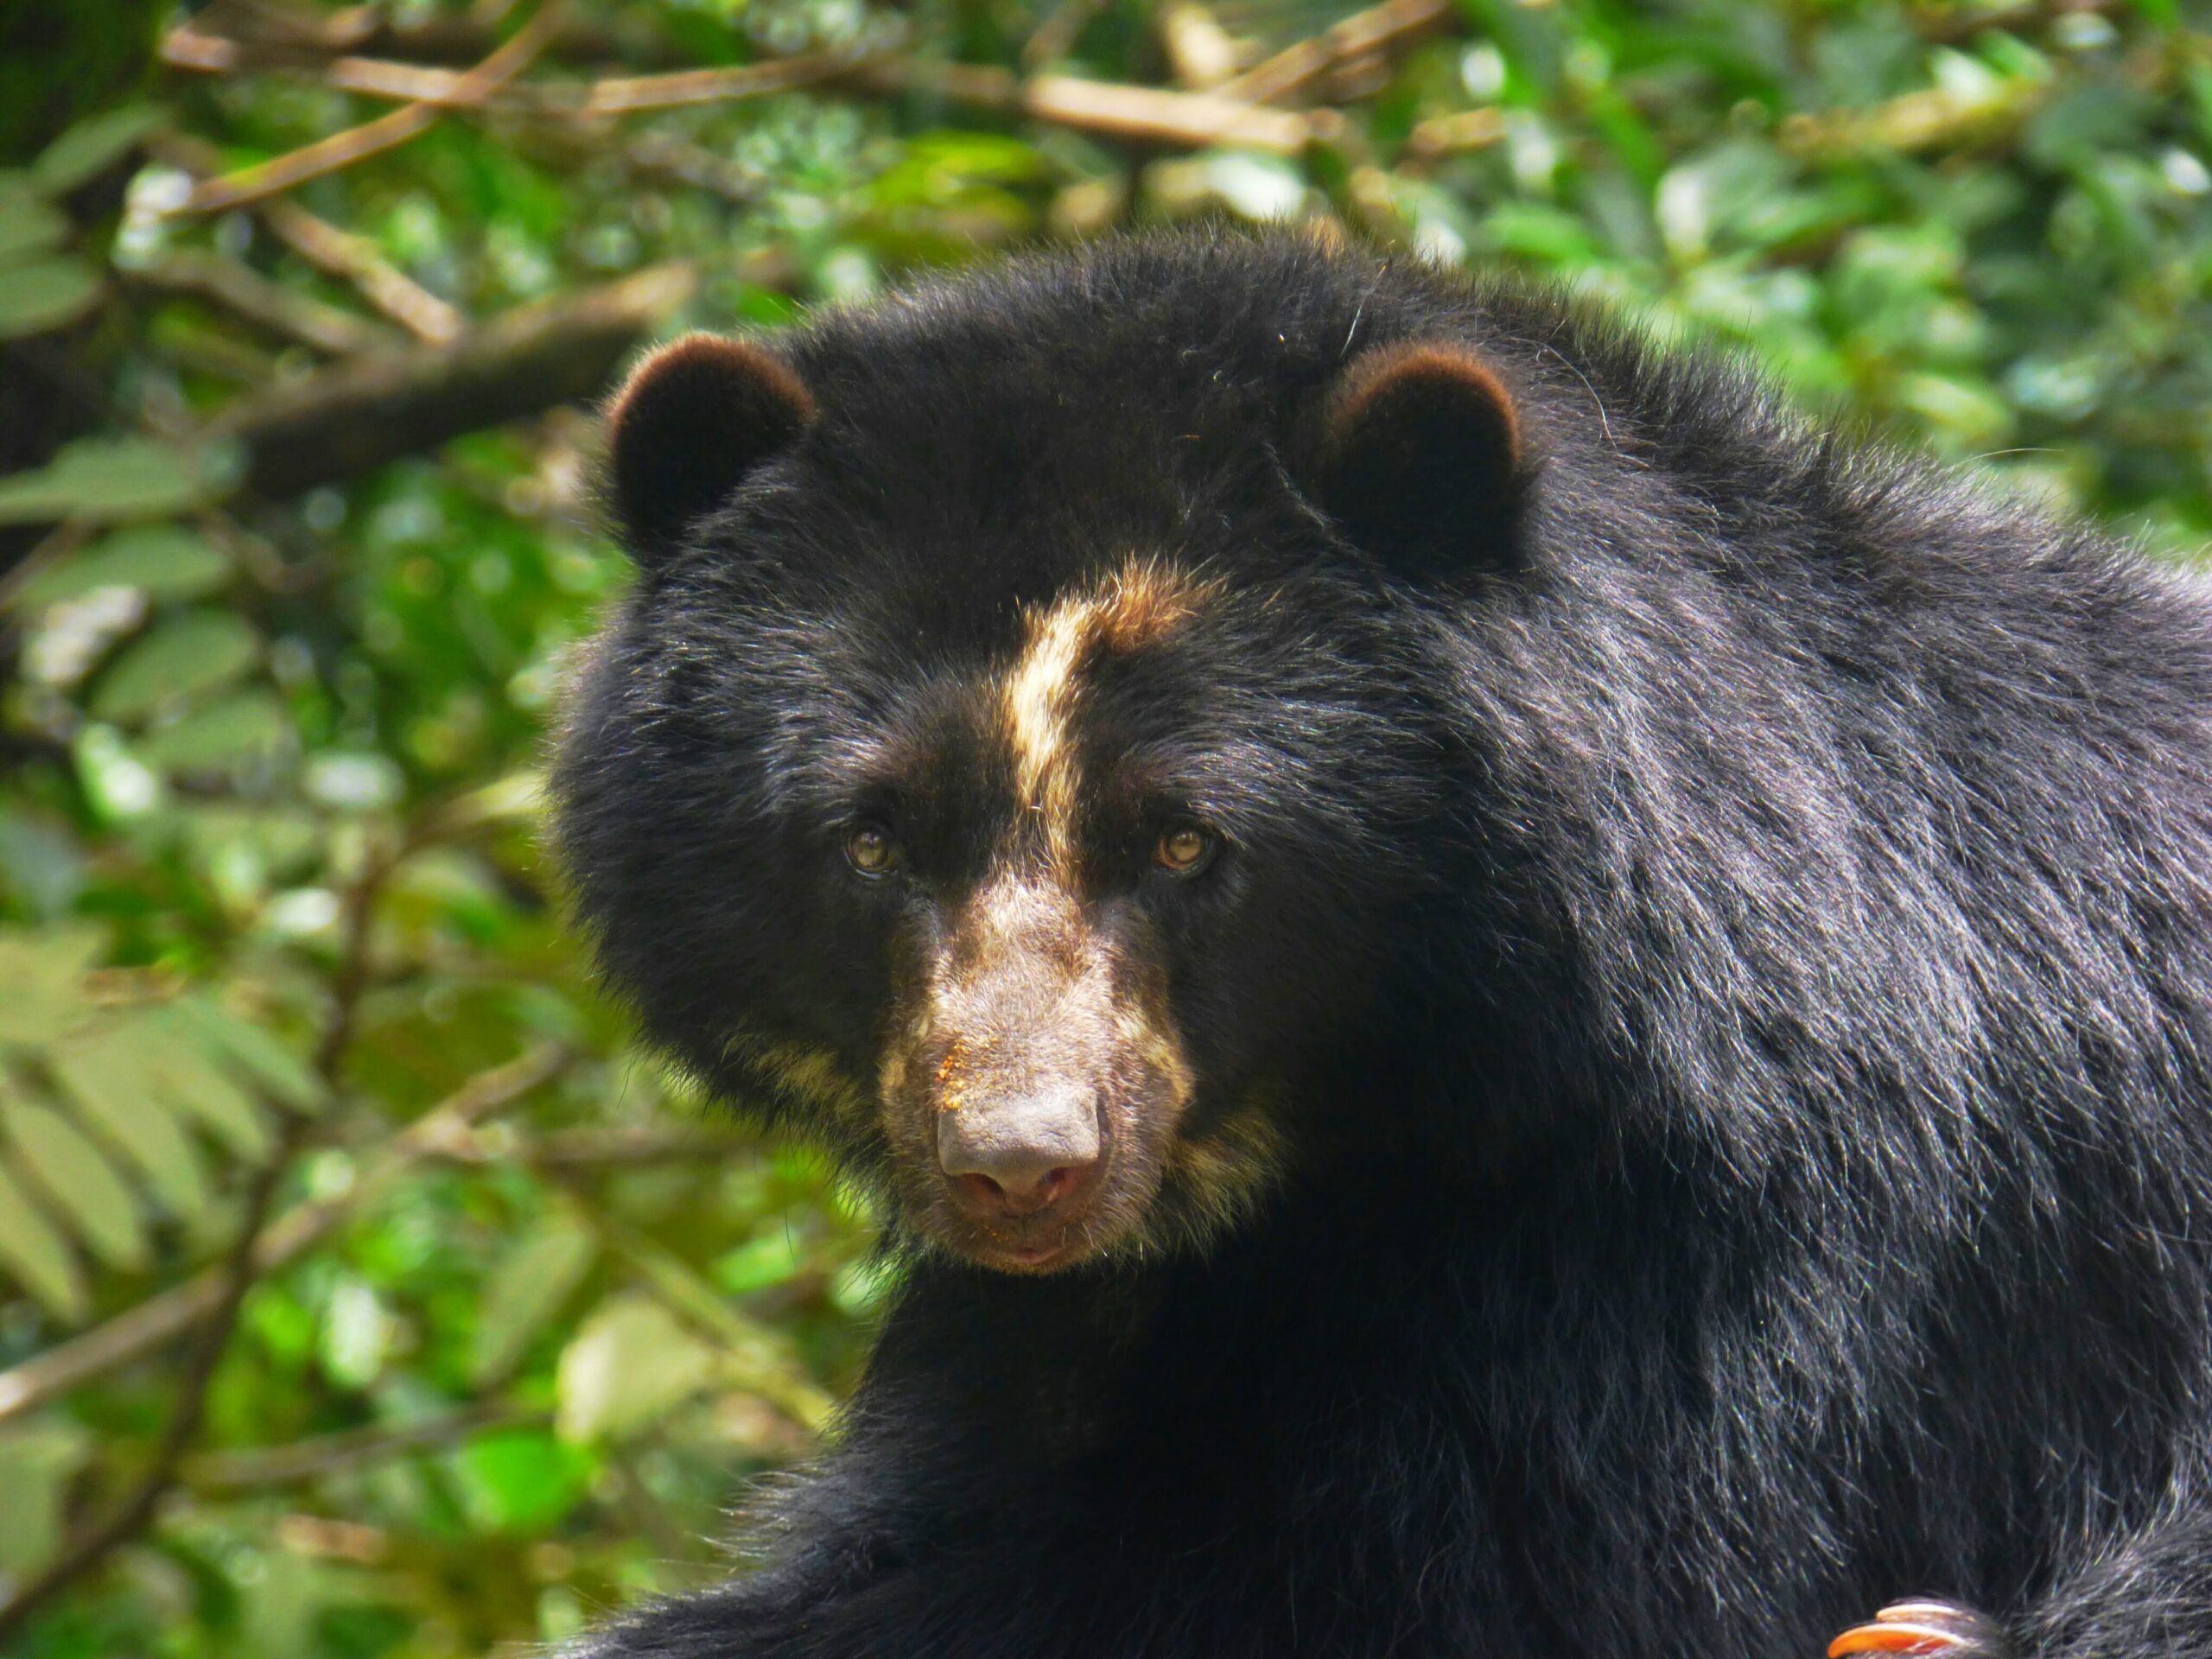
1509	1002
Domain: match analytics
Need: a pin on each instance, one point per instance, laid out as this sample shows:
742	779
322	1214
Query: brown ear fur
1421	456
691	421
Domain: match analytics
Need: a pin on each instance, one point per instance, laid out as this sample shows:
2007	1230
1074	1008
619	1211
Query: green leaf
111	480
200	1089
161	561
118	787
631	1363
70	1170
520	1480
110	1074
44	973
39	297
243	727
263	1059
765	1261
357	1333
39	1257
42	863
91	146
29	227
37	1461
187	653
525	1290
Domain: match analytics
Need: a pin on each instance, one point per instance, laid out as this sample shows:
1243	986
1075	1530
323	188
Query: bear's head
1018	748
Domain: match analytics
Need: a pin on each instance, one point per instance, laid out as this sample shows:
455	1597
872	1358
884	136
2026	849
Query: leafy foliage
364	1291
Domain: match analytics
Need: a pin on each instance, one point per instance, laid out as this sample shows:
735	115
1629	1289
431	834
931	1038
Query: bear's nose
1016	1156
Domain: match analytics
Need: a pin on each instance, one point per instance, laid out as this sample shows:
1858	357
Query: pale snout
1019	1152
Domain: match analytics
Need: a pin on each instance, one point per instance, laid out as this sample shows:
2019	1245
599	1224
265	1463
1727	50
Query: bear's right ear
1422	459
691	421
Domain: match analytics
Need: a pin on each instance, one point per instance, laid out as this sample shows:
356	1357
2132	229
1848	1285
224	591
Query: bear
1504	1000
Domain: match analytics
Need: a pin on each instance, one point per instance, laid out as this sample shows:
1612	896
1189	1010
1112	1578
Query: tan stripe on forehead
1142	600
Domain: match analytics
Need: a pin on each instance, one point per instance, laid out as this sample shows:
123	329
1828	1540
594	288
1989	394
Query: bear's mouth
1038	1257
1047	1240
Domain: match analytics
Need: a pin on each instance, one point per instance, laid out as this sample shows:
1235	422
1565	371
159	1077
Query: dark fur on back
1729	955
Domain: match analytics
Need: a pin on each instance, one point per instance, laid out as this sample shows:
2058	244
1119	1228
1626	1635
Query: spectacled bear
1509	1003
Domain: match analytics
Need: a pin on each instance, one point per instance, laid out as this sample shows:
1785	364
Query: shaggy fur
1713	957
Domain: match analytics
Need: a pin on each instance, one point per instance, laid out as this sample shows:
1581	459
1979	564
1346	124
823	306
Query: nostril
1042	1190
984	1188
1022	1192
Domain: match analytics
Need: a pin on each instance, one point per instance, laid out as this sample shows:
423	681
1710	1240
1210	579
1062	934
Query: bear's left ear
1420	459
691	421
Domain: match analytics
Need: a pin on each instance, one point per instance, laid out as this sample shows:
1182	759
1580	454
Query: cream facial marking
1138	603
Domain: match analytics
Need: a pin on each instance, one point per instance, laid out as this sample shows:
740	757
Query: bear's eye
1185	848
871	850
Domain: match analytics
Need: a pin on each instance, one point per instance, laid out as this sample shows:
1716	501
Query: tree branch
360	414
303	1460
1145	114
269	305
342	149
1374	33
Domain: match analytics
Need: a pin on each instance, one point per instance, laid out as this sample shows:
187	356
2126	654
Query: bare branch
342	149
1375	33
623	95
1056	36
357	415
354	259
325	1454
1148	114
444	36
270	305
337	253
1202	53
1450	135
595	1148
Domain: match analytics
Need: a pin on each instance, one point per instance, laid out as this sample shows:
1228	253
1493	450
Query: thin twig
337	253
270	305
626	94
1373	32
1202	53
325	1454
187	47
354	259
442	34
593	1148
342	149
1056	36
1148	114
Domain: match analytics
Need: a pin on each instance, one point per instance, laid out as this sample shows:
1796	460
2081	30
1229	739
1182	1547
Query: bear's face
985	834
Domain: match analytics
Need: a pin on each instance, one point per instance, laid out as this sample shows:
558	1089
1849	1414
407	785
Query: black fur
1734	977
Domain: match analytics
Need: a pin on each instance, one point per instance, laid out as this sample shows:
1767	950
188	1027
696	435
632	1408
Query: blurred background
364	1291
